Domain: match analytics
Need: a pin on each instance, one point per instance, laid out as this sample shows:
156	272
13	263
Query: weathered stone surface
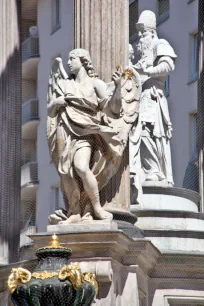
83	226
111	20
167	198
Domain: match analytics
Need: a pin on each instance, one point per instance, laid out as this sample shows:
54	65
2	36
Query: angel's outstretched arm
54	105
116	100
100	88
115	97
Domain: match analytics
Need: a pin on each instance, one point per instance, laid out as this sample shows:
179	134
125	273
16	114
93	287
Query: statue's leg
167	161
150	160
82	166
73	196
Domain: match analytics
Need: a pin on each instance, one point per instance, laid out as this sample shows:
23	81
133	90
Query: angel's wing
57	80
56	87
131	91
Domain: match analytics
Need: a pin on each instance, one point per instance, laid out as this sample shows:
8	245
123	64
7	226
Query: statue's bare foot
101	214
87	217
152	177
54	219
72	219
61	214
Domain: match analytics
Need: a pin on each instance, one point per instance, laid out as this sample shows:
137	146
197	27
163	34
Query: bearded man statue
155	60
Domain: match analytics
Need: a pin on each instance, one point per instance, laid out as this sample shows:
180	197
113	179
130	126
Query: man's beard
146	45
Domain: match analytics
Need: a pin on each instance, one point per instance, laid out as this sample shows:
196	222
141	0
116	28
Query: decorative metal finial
54	242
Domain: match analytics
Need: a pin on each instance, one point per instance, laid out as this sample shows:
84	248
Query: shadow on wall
191	177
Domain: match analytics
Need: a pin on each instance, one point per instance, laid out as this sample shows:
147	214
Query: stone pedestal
10	127
119	262
169	217
89	226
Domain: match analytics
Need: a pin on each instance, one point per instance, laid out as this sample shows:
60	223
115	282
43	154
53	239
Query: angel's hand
69	96
54	105
116	77
59	102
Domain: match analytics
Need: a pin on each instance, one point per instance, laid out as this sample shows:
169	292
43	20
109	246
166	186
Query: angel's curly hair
86	61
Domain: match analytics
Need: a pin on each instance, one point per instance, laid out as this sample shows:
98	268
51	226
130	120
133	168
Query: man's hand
141	65
169	132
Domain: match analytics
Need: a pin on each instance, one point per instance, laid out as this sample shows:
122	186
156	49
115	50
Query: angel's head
79	58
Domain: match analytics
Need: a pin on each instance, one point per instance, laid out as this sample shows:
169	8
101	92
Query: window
56	15
163	10
167	86
188	301
192	134
193	57
133	18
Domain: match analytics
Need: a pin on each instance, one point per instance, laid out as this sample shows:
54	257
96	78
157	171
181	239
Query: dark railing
30	48
30	111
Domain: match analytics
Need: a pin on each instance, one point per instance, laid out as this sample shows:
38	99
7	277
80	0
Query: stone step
176	240
173	230
170	220
167	198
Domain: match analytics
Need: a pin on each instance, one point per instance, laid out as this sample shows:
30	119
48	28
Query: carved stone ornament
53	282
88	126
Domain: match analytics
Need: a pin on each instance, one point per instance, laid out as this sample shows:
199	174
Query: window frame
133	37
167	86
56	17
193	117
163	16
193	57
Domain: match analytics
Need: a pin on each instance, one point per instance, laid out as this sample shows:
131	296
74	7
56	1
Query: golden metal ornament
127	73
73	274
119	68
44	275
76	277
91	278
54	244
18	276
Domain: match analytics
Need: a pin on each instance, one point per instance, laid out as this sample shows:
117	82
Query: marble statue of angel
87	129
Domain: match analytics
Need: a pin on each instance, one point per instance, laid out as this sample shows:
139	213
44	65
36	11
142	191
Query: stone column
10	130
102	27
